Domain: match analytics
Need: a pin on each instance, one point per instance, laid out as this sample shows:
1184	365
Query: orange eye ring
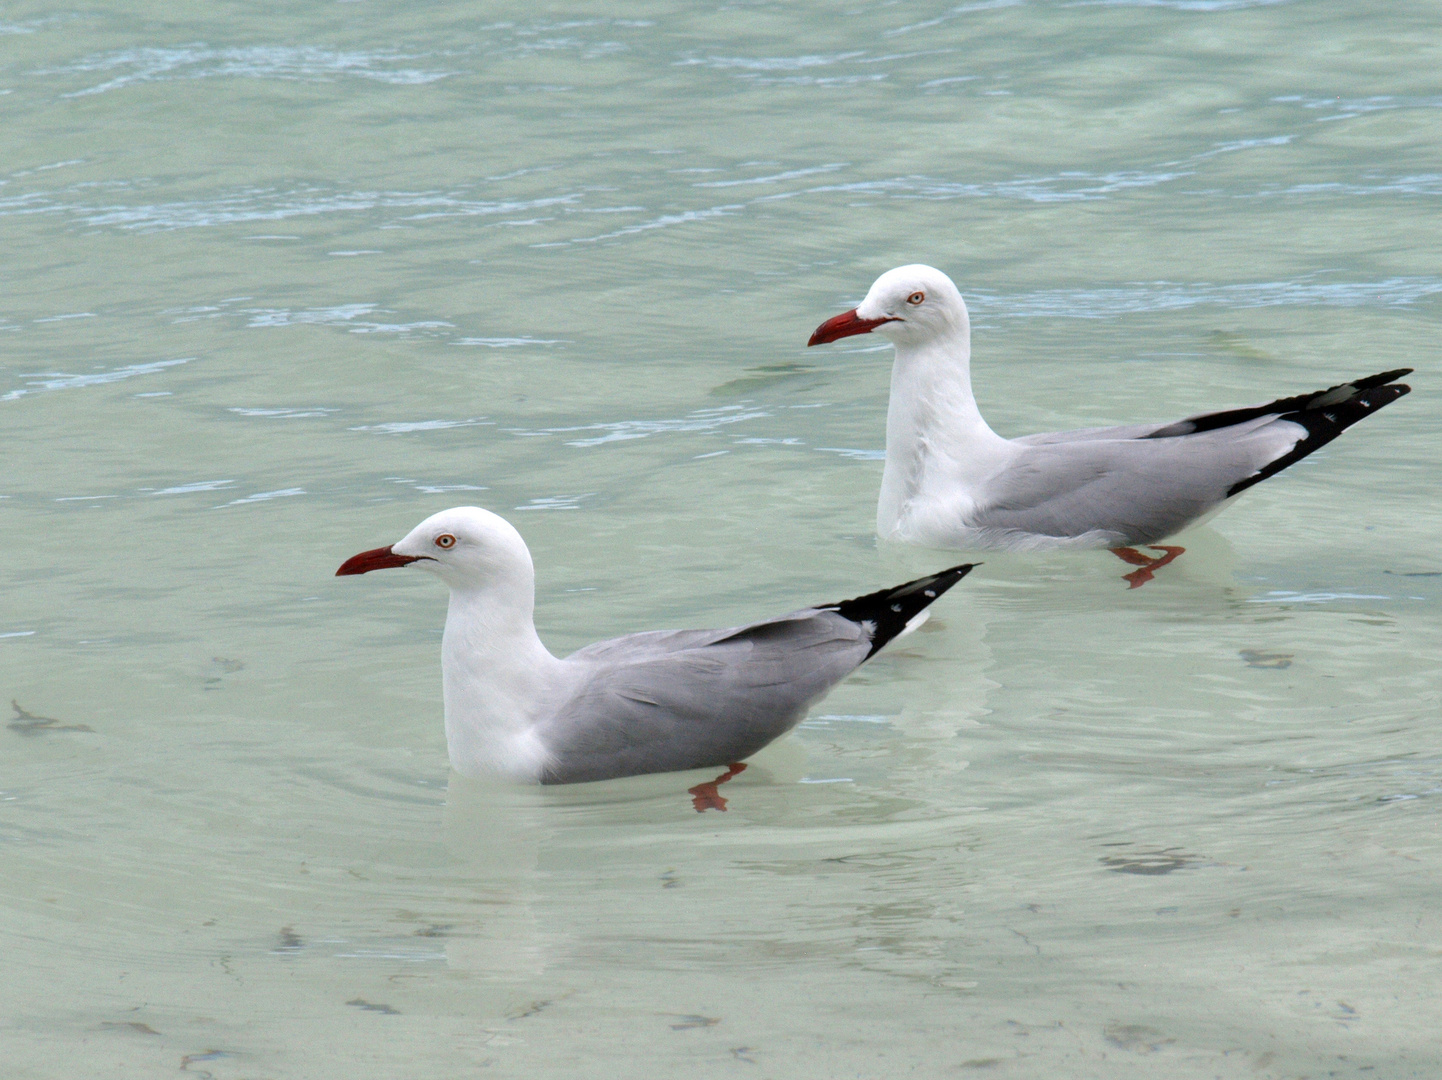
445	541
916	298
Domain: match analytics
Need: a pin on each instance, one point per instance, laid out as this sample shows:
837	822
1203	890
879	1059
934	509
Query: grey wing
1130	488
709	699
653	643
1091	434
1139	483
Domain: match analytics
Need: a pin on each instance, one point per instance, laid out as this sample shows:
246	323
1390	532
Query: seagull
952	482
662	701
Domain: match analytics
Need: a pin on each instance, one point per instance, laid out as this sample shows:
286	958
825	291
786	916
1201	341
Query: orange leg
1148	563
705	796
1132	555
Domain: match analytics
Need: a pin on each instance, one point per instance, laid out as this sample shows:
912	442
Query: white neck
938	448
499	680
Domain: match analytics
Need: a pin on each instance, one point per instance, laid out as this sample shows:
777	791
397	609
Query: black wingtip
1382	379
1329	418
889	610
1292	408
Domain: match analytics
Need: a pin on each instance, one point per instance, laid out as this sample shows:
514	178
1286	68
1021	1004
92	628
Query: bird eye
916	298
445	540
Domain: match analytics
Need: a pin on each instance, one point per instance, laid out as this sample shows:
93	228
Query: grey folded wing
1127	483
1143	482
689	699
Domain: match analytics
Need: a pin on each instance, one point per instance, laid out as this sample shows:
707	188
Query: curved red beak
844	325
375	559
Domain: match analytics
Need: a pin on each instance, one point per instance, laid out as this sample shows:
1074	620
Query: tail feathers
1293	408
891	611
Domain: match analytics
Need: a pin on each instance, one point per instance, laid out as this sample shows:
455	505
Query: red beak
375	559
844	325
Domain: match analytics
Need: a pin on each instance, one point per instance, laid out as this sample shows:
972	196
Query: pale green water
280	280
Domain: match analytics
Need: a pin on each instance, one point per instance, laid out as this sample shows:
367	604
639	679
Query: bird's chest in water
936	494
493	710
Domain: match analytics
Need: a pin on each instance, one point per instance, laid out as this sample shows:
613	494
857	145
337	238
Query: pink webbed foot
1148	563
705	796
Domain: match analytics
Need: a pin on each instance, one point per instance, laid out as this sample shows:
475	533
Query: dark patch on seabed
692	1021
1258	658
128	1025
206	1055
1150	863
371	1006
532	1009
758	378
1136	1038
225	666
27	724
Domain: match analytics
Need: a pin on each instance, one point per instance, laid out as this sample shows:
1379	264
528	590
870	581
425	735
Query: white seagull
655	702
952	482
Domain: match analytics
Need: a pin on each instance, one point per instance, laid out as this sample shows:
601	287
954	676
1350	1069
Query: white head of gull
652	702
952	482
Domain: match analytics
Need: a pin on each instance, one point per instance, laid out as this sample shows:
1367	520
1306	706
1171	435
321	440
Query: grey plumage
1141	483
687	699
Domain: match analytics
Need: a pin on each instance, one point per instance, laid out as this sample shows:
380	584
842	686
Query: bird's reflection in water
495	832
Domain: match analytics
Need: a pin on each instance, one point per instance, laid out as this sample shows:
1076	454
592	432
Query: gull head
910	305
466	547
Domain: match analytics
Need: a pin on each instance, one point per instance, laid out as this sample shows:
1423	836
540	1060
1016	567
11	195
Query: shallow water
280	281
